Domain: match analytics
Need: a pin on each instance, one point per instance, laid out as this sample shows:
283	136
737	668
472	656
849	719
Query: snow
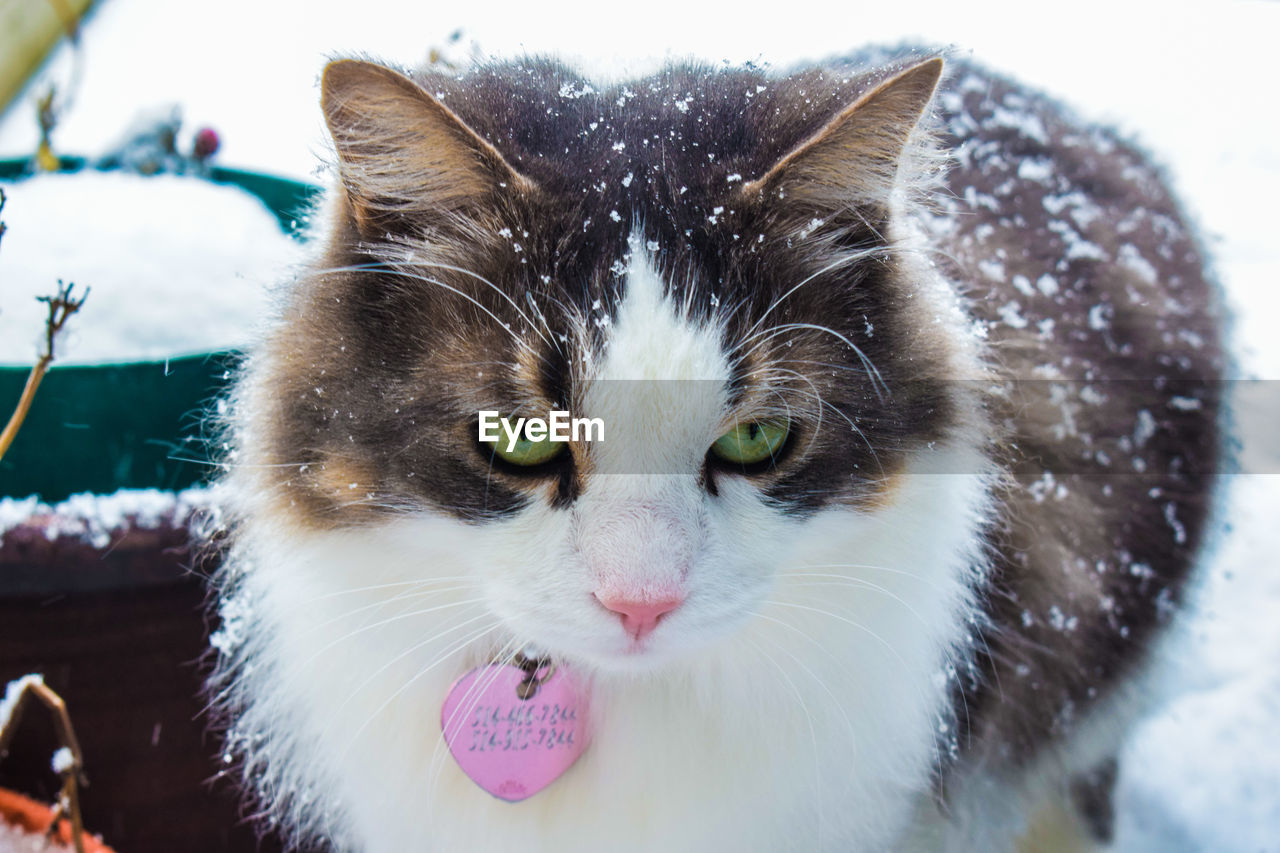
1190	83
93	518
1011	313
12	691
15	840
1204	773
1145	428
62	760
175	265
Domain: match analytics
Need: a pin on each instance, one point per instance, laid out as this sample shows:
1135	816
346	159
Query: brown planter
116	623
26	814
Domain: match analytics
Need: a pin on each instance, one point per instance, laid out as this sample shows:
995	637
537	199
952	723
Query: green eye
524	451
746	444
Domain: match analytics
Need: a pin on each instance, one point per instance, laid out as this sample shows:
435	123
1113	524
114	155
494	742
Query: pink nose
639	618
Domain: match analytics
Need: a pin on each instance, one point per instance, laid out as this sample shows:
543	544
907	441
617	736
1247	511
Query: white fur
792	703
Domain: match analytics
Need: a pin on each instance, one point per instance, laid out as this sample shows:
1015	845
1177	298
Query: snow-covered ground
1192	82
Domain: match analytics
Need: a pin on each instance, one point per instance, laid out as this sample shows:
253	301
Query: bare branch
62	306
72	773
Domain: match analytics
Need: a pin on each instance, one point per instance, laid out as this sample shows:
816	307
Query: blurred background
1192	82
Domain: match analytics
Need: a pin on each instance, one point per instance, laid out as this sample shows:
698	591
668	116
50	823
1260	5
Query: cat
907	388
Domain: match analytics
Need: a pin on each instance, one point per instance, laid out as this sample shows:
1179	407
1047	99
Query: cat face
704	263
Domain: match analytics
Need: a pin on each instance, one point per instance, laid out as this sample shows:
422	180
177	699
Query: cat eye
524	451
750	443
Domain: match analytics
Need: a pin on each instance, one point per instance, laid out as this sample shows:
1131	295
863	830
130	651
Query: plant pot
103	593
141	416
17	811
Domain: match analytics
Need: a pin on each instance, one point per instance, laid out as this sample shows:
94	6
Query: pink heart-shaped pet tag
514	747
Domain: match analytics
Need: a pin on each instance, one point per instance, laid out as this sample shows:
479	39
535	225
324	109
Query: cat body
915	622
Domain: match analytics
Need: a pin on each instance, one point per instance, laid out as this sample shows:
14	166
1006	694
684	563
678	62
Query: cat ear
402	153
854	159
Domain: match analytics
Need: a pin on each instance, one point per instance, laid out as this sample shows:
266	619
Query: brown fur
870	135
400	149
1088	564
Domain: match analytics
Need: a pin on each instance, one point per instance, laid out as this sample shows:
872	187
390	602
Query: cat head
710	264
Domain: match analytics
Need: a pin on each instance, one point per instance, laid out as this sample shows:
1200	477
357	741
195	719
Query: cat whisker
441	658
801	571
859	583
813	391
821	682
839	705
390	662
301	671
782	623
841	260
549	341
845	619
847	367
392	585
551	335
822	403
808	715
498	368
387	269
470	700
402	596
503	656
759	339
382	624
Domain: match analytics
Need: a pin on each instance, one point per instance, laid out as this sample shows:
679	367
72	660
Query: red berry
206	144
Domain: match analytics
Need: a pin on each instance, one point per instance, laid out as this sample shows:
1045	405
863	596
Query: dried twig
61	306
50	108
72	772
